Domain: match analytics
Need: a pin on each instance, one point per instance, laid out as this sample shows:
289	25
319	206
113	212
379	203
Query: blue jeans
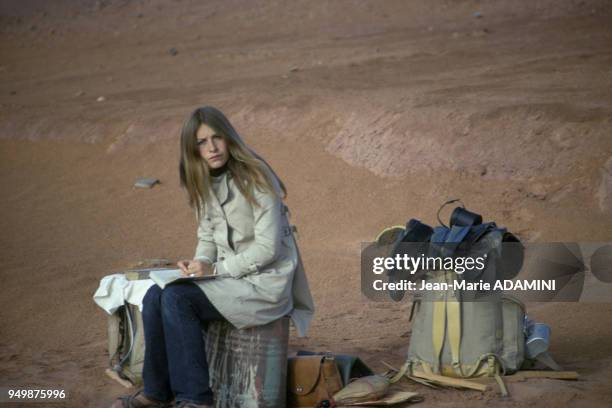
175	362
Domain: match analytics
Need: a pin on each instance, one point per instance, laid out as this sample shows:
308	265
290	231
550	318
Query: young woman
245	238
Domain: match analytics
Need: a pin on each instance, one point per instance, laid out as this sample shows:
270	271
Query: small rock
294	69
146	182
564	137
482	170
101	99
477	14
285	76
109	79
139	15
173	51
33	27
13	92
538	191
79	93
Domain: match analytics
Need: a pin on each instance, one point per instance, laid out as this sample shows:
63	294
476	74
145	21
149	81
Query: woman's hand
195	268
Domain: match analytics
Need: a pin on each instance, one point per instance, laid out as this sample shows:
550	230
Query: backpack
455	333
126	331
126	343
126	338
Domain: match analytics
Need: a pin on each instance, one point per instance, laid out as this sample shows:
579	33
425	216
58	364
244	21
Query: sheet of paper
164	277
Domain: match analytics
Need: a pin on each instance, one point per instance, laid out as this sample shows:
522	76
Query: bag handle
454	200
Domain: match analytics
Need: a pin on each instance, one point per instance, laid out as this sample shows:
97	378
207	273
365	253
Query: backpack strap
449	239
447	313
446	322
457	234
438	329
454	238
497	374
453	316
448	317
439	235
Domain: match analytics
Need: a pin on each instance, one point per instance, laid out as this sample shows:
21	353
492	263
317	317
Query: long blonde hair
248	169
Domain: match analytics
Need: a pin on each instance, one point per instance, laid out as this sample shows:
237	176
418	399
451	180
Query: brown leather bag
311	380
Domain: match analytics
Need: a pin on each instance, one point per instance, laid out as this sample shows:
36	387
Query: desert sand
371	112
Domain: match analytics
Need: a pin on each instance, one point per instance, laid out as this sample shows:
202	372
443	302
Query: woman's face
212	147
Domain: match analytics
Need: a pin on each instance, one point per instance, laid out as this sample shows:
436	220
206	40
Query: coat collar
223	193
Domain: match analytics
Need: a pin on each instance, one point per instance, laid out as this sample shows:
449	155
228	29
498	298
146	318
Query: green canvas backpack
126	337
466	339
456	334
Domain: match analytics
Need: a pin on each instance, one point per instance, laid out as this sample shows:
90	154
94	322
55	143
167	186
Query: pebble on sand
101	99
146	182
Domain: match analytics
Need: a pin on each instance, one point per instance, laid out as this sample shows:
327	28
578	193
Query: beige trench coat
261	276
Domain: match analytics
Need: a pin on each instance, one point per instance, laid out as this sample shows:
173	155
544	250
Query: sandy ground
372	112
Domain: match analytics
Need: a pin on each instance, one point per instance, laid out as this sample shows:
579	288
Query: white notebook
164	277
